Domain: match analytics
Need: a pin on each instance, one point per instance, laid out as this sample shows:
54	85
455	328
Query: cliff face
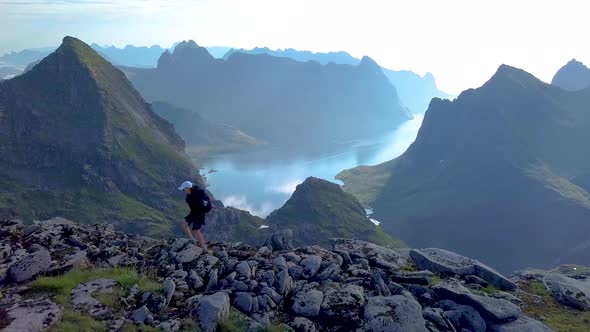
104	280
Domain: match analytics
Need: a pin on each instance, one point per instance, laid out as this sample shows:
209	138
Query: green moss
540	305
236	322
62	285
189	325
127	327
72	321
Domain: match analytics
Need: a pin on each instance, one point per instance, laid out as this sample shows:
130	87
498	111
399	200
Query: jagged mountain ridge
78	139
573	76
275	99
512	175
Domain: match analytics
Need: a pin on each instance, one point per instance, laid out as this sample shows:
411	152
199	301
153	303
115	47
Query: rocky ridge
355	286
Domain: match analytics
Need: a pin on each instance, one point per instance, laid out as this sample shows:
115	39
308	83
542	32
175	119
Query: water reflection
261	181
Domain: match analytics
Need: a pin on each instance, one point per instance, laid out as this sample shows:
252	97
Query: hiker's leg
200	238
186	230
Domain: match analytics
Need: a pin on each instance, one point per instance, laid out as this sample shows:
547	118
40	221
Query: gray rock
308	303
311	265
377	256
213	280
522	324
435	317
569	291
172	325
169	288
33	316
269	277
471	279
194	280
243	302
393	314
462	316
284	282
292	257
244	271
342	304
296	271
280	263
83	300
116	324
156	302
444	261
30	265
211	310
240	286
179	275
331	272
142	315
205	264
179	244
301	324
379	285
491	309
281	240
188	254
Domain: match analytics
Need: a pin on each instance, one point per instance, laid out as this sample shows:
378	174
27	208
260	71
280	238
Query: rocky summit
61	276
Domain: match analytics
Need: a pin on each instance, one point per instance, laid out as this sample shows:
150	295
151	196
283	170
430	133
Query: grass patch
235	323
72	321
189	325
542	306
436	279
62	285
489	289
127	327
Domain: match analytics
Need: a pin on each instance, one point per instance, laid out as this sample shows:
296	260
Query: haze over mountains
501	173
276	99
414	91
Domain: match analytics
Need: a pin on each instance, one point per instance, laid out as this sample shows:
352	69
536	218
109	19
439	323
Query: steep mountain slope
277	100
77	140
501	173
319	210
573	76
415	91
202	136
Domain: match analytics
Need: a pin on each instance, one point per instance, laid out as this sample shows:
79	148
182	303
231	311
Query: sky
461	42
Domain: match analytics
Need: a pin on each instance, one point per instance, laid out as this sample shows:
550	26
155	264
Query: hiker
200	204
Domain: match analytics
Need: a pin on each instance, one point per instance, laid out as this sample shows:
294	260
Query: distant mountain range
414	91
77	140
276	99
9	72
573	76
501	173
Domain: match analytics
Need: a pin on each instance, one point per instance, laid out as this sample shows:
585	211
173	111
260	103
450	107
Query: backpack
201	201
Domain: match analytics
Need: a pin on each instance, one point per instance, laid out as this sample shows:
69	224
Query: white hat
185	185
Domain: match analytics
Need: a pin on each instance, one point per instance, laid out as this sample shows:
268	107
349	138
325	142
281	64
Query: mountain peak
508	76
573	76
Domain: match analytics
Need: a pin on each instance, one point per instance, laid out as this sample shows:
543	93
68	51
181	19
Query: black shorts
196	220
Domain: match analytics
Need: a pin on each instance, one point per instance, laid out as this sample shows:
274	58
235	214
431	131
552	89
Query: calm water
263	181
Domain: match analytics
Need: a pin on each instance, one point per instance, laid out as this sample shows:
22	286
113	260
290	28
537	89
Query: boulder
308	303
32	316
142	315
393	314
244	271
188	254
311	265
491	309
171	325
569	291
243	302
342	304
444	261
211	310
281	240
377	256
30	265
301	324
83	300
462	316
284	282
169	287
